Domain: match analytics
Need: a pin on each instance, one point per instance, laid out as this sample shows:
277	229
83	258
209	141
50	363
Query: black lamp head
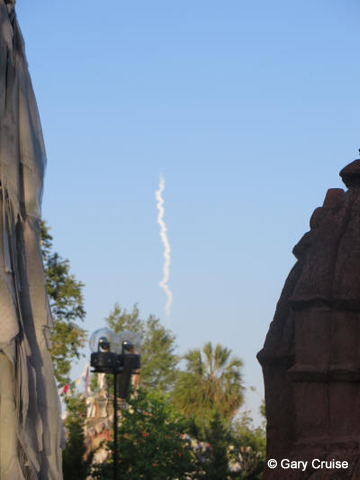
127	346
104	345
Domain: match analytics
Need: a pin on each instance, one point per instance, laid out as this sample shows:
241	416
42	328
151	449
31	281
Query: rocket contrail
165	241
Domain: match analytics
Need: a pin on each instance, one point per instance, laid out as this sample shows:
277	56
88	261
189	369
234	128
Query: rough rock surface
311	355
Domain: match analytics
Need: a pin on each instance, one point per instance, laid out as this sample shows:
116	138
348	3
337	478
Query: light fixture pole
119	355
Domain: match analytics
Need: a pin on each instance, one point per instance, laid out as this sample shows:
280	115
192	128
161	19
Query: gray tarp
30	426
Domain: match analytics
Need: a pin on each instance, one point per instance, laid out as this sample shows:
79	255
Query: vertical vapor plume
164	238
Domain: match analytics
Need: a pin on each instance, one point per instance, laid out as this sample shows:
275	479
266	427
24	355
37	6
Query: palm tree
211	382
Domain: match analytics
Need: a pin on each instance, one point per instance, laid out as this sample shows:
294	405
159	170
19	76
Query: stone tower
311	355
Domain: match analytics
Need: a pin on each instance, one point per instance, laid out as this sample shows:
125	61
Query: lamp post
119	355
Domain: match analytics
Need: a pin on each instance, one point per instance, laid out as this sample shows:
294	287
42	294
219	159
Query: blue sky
248	108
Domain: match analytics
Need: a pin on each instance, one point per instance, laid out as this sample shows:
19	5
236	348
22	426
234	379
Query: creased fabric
30	425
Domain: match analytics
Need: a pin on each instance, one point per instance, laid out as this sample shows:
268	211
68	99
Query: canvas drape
30	425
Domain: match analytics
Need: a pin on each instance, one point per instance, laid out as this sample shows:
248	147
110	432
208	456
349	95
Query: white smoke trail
164	238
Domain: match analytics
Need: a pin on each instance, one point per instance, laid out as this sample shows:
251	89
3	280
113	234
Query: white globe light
103	340
129	342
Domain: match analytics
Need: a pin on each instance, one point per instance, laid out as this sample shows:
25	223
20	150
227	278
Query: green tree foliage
211	383
151	441
67	308
249	446
75	467
158	358
218	437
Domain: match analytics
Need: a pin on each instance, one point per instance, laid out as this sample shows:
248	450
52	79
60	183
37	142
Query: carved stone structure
311	355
